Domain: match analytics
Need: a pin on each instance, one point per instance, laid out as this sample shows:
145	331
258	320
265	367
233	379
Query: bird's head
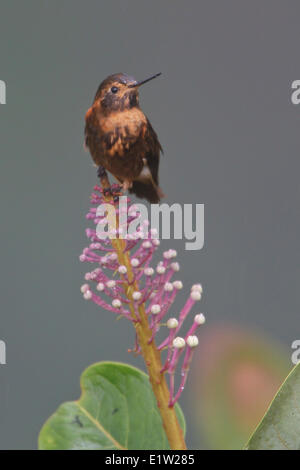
119	92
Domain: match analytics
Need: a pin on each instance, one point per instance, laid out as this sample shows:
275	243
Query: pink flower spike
198	321
191	342
131	288
178	345
172	324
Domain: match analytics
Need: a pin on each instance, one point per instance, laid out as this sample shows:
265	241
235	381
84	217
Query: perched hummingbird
121	139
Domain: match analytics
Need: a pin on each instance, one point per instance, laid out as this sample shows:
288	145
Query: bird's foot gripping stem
101	172
113	191
106	188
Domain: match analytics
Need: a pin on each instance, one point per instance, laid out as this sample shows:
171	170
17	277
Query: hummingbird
121	139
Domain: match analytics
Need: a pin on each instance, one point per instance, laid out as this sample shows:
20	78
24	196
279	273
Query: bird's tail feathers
147	190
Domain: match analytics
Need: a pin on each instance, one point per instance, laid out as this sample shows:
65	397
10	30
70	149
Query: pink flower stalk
124	289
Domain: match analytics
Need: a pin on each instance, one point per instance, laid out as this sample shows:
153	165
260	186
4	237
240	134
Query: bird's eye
114	89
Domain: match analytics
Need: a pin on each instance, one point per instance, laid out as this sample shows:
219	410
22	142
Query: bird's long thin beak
144	81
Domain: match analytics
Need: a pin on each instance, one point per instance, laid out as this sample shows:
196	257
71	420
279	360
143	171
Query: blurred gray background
223	113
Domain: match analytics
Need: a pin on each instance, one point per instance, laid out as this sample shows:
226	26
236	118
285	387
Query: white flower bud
175	266
147	244
168	287
100	286
87	295
122	269
195	295
136	295
155	309
178	342
149	271
160	269
156	242
198	288
116	303
192	341
84	288
178	285
172	323
111	284
135	262
199	319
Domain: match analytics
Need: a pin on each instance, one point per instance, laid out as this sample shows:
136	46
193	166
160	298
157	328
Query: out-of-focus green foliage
234	378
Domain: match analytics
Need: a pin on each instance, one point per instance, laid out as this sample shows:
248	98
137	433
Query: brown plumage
121	139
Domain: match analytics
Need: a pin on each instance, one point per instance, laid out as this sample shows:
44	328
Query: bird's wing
89	129
94	137
153	149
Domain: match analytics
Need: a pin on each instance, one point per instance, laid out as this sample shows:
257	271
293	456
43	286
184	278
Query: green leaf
280	427
117	410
